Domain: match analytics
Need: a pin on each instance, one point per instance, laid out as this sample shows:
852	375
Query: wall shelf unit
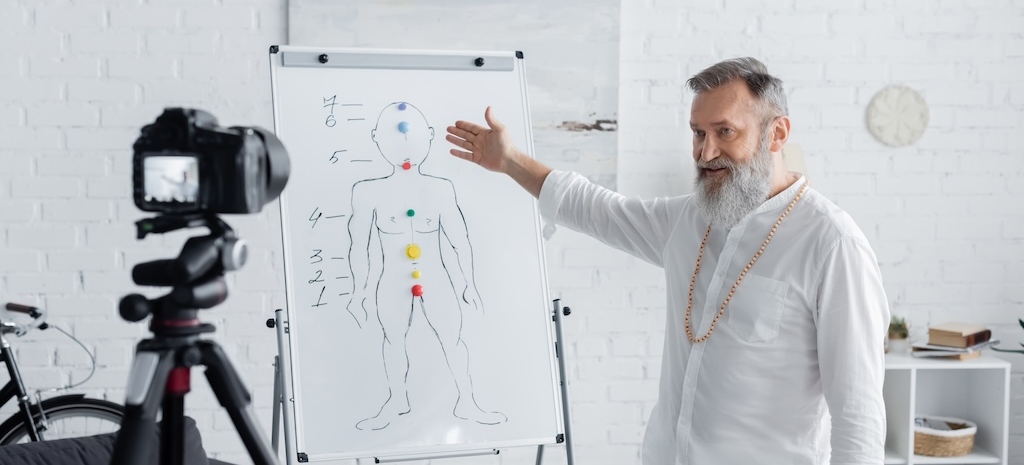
977	390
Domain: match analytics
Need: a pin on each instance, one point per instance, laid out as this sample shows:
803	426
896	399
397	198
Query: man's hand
489	147
492	148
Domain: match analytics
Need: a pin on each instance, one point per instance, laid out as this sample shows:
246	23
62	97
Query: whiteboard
418	310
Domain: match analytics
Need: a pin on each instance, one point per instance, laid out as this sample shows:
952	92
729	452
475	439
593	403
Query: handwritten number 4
315	216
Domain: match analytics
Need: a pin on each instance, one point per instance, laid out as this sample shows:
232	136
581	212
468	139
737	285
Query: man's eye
725	131
698	134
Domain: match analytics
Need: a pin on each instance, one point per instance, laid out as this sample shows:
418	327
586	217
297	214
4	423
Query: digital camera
185	163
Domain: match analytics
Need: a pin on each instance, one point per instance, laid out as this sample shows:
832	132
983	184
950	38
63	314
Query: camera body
185	163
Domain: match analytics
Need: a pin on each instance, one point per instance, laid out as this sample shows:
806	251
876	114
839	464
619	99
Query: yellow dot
416	274
413	251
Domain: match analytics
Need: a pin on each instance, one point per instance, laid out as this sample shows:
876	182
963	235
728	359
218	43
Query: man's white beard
724	203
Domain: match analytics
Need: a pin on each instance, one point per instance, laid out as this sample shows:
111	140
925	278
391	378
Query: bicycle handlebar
38	318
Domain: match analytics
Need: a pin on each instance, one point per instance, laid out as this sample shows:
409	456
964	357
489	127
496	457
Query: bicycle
64	416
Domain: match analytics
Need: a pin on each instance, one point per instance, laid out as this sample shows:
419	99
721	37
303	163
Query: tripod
160	373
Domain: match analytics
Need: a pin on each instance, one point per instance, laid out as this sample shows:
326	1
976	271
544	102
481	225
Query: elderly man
776	313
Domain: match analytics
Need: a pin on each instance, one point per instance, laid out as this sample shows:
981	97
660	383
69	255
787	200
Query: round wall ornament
897	116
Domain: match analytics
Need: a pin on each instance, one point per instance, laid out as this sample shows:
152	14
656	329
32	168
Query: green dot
147	226
411	212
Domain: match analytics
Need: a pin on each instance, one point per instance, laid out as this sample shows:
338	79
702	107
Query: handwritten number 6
330	121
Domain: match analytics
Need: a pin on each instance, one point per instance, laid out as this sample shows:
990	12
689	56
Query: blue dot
403	127
401	106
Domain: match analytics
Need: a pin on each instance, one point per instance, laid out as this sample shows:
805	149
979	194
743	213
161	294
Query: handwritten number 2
317	279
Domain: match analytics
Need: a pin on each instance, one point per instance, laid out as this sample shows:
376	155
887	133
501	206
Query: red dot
417	290
406	166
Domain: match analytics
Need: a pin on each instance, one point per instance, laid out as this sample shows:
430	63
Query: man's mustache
717	163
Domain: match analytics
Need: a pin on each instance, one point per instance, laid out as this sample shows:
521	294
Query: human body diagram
409	253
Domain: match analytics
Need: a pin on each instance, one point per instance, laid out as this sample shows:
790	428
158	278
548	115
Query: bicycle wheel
66	416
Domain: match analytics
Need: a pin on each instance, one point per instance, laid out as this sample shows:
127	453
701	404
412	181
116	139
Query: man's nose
709	149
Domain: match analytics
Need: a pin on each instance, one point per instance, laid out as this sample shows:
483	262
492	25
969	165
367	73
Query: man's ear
431	132
780	134
373	135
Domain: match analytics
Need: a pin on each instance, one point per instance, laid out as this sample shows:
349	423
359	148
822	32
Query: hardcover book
958	334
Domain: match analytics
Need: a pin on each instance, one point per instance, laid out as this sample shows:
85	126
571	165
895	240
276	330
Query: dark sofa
96	450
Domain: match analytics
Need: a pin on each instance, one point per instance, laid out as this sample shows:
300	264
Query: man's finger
469	127
462	155
491	120
459	142
459	132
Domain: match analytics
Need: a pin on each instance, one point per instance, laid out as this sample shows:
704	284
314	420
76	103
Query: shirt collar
782	198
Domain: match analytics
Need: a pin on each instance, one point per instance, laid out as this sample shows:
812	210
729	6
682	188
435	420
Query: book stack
957	341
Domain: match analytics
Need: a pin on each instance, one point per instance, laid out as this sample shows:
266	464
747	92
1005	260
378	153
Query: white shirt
800	343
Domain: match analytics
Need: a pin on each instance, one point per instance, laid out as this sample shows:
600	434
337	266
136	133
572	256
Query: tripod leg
172	426
145	392
232	395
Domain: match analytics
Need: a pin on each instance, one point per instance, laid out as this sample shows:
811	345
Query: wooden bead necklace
693	279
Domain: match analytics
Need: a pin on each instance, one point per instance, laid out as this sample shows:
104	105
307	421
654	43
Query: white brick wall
944	215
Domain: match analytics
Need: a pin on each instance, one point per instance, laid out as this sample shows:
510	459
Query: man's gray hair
765	87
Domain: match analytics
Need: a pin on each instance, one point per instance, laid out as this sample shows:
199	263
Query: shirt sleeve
635	226
853	318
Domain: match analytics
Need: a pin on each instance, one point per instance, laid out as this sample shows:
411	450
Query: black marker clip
479	61
323	58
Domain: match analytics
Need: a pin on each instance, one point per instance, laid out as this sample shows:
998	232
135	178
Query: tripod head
196	276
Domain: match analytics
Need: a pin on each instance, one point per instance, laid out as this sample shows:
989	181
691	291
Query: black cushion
96	450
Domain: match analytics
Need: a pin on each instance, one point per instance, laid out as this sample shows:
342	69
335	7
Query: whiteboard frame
401	59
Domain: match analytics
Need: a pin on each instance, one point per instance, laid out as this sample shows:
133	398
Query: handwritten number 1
319	300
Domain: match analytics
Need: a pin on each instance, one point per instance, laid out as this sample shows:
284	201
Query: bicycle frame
15	388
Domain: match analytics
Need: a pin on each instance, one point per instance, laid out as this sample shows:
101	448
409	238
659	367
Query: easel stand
284	400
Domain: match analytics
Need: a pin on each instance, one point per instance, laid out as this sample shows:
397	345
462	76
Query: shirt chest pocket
755	311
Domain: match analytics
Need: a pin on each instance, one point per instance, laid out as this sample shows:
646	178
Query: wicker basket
955	441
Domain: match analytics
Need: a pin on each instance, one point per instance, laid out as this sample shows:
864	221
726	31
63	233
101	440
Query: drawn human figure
410	250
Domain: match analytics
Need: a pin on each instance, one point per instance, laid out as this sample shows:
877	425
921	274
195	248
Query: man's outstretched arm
491	147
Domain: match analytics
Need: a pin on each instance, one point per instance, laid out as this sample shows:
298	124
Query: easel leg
276	422
284	377
560	350
540	454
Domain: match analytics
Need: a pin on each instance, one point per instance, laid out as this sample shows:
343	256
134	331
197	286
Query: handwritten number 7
315	216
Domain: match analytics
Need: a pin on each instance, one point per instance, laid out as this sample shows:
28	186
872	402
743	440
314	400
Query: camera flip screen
171	179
